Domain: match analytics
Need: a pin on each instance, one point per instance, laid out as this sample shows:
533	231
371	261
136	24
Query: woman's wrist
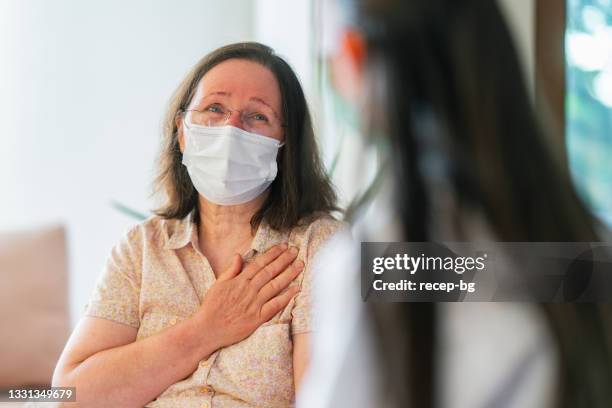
201	337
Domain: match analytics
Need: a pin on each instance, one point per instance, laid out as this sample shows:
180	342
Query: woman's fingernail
283	246
293	251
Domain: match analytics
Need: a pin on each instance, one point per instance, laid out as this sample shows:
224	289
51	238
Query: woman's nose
235	120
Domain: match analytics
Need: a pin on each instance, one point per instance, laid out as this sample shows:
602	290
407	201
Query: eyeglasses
262	123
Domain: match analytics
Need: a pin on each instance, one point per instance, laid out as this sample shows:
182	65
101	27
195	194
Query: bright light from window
602	84
589	101
589	52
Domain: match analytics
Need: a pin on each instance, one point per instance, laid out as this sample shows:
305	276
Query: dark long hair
302	188
454	60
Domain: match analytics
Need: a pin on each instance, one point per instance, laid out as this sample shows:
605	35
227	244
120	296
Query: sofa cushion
34	316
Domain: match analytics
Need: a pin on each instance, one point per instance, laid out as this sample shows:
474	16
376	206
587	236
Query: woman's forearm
301	357
134	374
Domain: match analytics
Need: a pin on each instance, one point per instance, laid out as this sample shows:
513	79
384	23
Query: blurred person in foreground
438	88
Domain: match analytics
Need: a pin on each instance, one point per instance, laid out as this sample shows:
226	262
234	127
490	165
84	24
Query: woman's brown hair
301	189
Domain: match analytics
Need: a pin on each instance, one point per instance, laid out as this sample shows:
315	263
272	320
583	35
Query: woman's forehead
241	81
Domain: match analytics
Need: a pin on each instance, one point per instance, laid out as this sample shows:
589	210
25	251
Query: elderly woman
207	303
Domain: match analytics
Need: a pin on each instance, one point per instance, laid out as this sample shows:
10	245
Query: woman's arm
319	232
301	357
108	368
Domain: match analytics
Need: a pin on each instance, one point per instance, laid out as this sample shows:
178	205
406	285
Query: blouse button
206	390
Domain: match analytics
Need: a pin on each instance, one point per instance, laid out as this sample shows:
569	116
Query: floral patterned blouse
156	276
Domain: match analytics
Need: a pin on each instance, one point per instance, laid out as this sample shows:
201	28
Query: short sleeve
317	234
116	295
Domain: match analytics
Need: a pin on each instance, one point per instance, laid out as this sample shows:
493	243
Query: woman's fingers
272	269
262	260
276	285
232	302
274	305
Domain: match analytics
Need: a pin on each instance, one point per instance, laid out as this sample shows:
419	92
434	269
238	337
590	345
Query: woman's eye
259	117
215	109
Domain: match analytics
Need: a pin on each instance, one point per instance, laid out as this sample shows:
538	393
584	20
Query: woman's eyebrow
253	98
217	93
256	99
209	95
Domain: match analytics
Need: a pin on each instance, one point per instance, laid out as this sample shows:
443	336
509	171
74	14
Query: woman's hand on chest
241	300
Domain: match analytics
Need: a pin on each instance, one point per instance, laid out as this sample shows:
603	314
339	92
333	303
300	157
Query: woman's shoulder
154	229
317	228
320	222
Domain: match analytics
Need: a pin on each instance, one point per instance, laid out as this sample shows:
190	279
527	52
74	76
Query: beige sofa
34	313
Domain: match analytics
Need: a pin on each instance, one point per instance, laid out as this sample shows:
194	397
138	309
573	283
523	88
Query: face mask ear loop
186	121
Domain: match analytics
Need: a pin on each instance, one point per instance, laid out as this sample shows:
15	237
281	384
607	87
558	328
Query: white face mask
228	165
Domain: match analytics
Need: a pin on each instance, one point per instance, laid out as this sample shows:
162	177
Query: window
588	46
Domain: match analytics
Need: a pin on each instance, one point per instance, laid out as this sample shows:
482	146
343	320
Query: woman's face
245	86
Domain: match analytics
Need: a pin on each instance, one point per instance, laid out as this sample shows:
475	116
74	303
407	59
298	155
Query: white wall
83	86
287	27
